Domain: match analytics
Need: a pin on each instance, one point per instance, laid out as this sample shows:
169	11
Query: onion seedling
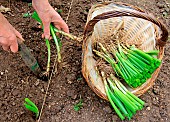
56	42
31	107
49	56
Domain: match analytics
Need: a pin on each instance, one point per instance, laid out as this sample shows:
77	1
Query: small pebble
58	109
2	93
13	103
42	90
107	109
6	71
160	4
2	73
37	83
53	103
146	104
6	95
148	108
22	81
114	118
167	10
30	95
69	81
72	94
15	92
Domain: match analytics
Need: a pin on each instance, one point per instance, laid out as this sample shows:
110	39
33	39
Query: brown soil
67	85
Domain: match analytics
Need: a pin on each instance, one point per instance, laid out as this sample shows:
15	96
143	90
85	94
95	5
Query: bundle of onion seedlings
124	102
56	39
129	63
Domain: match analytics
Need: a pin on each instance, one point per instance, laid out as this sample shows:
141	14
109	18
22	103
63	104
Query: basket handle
161	41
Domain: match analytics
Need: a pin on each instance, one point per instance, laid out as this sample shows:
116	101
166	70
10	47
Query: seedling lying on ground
80	78
31	107
78	106
59	11
26	15
29	4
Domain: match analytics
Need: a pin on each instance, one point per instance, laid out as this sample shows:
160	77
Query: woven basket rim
139	13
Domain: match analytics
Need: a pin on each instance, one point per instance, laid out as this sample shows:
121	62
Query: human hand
49	15
8	35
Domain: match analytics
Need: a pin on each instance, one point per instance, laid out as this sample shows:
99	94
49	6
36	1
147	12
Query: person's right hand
8	35
48	15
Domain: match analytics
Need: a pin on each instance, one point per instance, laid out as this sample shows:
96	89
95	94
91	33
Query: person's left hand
8	35
48	15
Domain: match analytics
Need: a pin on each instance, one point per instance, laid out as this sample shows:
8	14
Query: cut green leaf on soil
29	4
80	78
26	15
59	10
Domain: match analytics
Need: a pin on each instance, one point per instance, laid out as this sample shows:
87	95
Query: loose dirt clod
4	9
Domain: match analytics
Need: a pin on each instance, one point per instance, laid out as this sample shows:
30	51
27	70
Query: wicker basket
140	28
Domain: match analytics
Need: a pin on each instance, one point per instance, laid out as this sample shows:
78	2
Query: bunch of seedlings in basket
123	101
118	62
131	64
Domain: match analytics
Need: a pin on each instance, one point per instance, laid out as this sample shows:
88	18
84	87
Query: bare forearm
39	1
1	15
1	19
40	4
3	23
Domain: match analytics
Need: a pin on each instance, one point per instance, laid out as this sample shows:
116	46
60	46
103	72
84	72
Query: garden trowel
29	59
